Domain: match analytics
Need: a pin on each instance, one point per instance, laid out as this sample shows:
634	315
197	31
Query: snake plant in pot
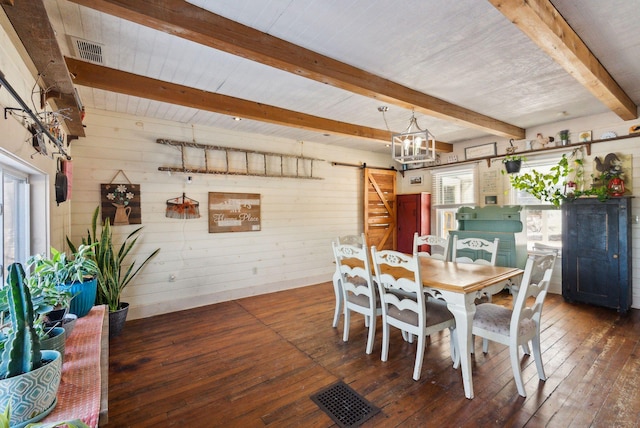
115	270
29	377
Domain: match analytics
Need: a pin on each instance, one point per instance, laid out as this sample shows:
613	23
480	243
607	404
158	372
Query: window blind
455	186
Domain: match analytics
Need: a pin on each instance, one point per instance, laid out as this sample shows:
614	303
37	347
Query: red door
413	216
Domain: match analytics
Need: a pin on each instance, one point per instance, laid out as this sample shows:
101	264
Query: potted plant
114	274
513	163
76	276
29	377
546	187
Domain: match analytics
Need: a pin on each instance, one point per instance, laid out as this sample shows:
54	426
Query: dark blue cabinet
596	252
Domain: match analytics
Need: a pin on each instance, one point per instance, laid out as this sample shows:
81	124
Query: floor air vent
346	407
86	50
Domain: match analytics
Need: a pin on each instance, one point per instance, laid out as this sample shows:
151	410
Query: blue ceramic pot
84	296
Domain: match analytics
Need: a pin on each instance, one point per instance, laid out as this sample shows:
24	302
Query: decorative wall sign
234	212
480	151
120	203
416	179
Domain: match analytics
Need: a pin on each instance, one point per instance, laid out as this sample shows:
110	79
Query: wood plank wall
299	217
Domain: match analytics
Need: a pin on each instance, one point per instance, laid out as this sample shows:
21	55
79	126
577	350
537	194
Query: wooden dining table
459	284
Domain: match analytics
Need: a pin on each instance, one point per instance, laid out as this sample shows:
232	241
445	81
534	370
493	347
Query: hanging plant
546	187
513	163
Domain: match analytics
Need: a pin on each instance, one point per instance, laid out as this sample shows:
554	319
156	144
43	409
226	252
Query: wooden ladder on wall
380	208
219	160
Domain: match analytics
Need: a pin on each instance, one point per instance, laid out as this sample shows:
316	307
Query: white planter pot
32	395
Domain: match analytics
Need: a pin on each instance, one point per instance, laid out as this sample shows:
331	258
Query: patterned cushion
497	319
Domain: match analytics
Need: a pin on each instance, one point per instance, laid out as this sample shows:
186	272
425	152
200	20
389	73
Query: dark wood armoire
596	252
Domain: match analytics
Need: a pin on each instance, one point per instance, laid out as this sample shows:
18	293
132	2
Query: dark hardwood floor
256	361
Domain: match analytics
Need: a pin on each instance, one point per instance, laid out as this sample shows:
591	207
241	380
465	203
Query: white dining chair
482	249
358	289
518	326
405	306
358	241
439	247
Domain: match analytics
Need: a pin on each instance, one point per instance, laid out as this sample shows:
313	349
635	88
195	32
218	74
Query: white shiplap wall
299	217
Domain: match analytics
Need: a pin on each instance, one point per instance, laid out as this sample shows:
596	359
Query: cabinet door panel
591	251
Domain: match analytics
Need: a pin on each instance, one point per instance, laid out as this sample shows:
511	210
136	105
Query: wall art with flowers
120	203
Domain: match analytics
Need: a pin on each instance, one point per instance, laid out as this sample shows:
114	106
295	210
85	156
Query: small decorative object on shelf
564	137
584	136
616	186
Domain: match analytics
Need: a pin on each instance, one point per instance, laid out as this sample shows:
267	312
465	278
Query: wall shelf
489	159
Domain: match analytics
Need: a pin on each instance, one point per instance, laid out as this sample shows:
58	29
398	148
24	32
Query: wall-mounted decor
416	179
120	202
182	207
480	151
491	200
234	212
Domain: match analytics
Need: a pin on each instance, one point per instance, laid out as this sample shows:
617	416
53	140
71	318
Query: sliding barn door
380	208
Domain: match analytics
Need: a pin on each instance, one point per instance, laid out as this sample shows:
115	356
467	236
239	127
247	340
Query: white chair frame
358	289
405	306
476	244
356	240
516	328
432	241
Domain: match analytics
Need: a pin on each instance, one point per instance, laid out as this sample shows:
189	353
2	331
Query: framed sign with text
481	151
234	212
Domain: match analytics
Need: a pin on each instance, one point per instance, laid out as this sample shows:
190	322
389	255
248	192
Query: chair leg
485	345
366	321
525	348
538	357
347	322
337	289
372	334
385	341
517	373
408	337
417	368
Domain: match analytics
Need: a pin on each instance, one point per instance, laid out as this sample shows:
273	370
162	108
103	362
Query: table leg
463	308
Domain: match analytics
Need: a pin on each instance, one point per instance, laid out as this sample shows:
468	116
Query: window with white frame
15	216
542	221
452	188
23	210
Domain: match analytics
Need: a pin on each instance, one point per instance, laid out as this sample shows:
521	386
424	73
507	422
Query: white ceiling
465	52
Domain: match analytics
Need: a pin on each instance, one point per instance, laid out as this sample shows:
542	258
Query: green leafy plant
114	275
547	187
513	158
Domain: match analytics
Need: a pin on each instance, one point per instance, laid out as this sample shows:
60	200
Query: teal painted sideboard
488	223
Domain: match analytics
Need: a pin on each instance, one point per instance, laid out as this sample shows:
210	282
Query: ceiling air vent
86	50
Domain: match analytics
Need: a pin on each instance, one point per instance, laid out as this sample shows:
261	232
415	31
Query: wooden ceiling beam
109	79
542	22
31	23
182	19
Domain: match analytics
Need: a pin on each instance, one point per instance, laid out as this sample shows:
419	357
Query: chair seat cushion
436	313
497	319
